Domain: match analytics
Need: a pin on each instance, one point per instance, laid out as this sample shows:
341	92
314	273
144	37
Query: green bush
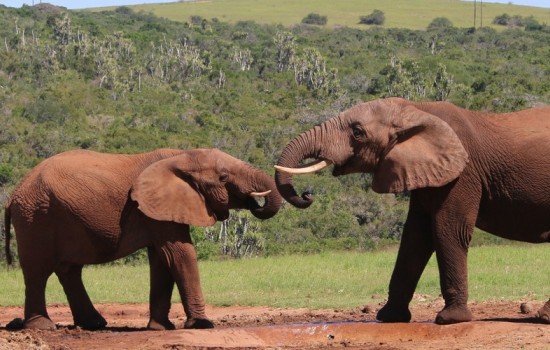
377	17
502	20
6	174
439	23
532	24
314	18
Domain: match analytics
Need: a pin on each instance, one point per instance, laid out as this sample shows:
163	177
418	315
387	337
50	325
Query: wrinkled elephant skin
83	207
464	169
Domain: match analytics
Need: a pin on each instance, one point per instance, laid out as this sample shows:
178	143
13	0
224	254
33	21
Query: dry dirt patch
497	325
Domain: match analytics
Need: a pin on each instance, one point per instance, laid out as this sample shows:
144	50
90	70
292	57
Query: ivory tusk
260	194
309	168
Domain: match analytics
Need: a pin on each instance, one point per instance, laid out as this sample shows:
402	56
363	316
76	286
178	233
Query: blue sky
78	4
536	3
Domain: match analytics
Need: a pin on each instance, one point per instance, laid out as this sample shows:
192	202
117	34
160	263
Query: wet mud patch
497	325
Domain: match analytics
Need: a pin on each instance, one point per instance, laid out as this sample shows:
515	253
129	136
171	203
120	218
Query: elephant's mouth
255	203
221	216
338	170
249	203
342	170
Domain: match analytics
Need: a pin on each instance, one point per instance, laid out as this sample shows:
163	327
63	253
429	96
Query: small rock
526	308
367	309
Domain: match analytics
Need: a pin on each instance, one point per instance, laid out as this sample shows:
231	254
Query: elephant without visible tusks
463	169
82	207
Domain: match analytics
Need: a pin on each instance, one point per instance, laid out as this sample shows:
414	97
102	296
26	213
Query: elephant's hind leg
544	313
36	315
84	313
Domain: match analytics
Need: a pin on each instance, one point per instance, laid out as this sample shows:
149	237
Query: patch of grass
328	280
398	13
333	279
343	280
104	283
509	272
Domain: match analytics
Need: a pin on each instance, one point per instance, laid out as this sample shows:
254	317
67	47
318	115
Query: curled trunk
272	200
300	148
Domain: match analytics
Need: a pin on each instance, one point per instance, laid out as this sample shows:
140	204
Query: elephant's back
84	167
82	179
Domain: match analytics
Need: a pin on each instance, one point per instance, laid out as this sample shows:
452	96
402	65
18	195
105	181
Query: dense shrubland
123	81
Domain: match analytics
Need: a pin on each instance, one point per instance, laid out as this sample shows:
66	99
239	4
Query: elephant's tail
7	225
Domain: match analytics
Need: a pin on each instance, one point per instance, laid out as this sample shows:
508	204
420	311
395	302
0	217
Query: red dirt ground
497	325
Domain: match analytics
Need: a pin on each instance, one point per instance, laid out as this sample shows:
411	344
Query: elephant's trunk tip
288	192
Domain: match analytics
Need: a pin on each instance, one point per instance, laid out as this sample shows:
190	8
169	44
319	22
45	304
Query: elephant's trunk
272	201
302	147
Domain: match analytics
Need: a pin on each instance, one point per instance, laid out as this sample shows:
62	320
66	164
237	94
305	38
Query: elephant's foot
15	324
393	313
544	313
91	323
454	314
198	323
39	322
165	325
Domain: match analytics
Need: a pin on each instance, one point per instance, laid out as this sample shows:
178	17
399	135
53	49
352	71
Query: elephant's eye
357	132
224	178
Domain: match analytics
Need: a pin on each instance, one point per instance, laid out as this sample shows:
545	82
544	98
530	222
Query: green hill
412	14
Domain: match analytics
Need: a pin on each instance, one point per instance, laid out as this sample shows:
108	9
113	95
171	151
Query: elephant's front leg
162	285
453	230
176	252
414	253
453	274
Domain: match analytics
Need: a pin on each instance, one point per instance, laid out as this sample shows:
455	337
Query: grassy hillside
412	14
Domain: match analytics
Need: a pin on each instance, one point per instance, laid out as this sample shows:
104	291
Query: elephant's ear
424	151
163	192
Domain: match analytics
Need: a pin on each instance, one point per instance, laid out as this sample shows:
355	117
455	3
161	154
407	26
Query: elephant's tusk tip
260	194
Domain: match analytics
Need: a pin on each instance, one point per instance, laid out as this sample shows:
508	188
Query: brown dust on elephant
82	207
464	169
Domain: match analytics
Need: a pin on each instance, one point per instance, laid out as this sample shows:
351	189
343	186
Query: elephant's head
402	146
198	187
